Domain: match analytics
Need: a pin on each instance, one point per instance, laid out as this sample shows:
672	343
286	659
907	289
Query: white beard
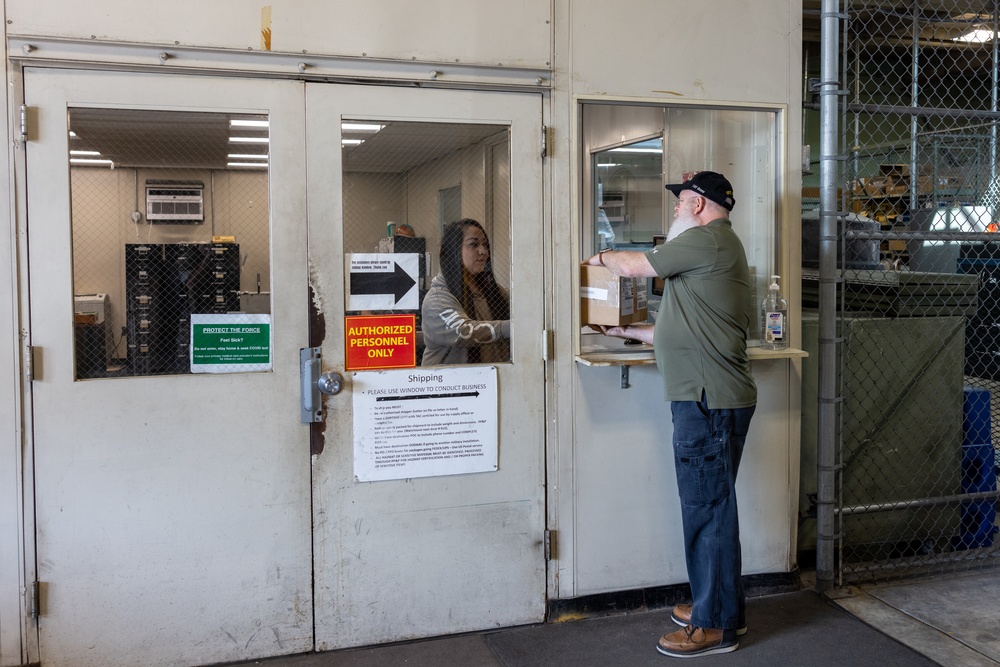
681	224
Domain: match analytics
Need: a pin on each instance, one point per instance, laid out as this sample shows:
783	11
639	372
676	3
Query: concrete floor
950	621
953	619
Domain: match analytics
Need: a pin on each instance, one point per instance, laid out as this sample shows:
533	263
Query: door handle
314	384
330	383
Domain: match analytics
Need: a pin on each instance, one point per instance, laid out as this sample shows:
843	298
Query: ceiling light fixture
636	150
352	142
249	123
91	153
256	165
360	127
247	156
83	160
249	140
977	36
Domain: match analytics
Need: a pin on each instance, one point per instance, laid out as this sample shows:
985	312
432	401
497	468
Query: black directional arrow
397	283
414	397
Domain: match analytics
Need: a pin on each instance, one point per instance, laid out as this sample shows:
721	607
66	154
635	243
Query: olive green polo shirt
700	339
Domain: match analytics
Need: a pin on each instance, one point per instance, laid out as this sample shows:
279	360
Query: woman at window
466	314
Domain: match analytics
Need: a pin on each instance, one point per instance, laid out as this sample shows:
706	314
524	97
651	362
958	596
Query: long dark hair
454	272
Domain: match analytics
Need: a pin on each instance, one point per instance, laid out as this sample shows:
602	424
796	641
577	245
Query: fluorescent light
72	134
360	127
352	142
83	160
247	156
249	123
626	149
248	140
85	152
258	165
610	164
977	36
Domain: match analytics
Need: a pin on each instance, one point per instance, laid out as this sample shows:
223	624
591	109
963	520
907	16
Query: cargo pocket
702	471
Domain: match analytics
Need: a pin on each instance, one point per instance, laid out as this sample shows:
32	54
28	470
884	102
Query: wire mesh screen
171	242
427	234
919	305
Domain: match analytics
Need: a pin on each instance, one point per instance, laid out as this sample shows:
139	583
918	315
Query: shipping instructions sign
230	343
380	341
424	423
383	281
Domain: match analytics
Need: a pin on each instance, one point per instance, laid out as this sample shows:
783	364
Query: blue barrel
978	517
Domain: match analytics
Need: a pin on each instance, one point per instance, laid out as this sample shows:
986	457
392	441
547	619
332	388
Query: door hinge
550	545
545	141
24	123
29	362
35	601
546	344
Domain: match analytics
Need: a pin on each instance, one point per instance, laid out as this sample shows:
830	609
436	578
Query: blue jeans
708	445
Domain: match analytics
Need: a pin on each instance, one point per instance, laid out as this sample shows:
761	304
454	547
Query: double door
183	513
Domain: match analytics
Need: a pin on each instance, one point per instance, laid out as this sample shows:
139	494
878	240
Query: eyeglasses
681	200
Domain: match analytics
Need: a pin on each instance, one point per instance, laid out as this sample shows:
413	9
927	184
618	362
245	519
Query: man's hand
614	332
593	260
640	332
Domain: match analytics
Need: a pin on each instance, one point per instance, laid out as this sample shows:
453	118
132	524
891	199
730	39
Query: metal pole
915	103
827	384
992	188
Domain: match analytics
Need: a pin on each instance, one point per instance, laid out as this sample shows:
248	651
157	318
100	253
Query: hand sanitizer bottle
774	319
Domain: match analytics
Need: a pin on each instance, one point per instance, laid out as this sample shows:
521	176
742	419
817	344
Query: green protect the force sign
230	343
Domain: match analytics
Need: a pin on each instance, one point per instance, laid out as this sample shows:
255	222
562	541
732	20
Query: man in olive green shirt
700	342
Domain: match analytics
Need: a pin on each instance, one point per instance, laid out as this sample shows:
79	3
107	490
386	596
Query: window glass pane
171	242
634	150
428	206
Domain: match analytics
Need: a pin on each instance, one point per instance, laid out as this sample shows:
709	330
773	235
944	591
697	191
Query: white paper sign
424	422
383	281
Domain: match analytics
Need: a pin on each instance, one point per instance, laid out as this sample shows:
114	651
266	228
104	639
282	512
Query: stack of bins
142	266
978	472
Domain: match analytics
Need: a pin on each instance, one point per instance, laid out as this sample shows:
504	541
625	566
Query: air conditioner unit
175	203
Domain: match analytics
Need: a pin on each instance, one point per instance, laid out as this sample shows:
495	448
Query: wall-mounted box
611	300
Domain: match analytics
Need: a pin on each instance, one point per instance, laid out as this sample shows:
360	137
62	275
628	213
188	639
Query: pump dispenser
774	319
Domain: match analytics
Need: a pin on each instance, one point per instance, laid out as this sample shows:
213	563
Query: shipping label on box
611	300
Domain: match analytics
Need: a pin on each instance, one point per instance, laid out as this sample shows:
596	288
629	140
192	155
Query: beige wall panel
734	50
371	201
515	33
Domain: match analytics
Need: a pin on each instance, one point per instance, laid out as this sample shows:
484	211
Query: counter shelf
642	355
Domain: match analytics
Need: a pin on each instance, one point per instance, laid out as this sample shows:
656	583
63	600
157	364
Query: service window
171	242
631	151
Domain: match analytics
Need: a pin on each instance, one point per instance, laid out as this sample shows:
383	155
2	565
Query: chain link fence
918	305
427	234
171	242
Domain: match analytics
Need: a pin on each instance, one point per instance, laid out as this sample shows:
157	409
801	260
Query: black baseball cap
710	185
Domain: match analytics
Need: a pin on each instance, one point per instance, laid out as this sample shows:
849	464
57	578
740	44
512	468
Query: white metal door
405	558
172	510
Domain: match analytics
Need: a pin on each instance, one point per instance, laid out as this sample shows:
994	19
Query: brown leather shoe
681	615
692	641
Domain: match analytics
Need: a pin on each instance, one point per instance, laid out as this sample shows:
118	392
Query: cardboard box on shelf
894	172
611	300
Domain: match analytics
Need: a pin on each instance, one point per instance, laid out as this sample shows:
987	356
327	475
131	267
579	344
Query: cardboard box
609	299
